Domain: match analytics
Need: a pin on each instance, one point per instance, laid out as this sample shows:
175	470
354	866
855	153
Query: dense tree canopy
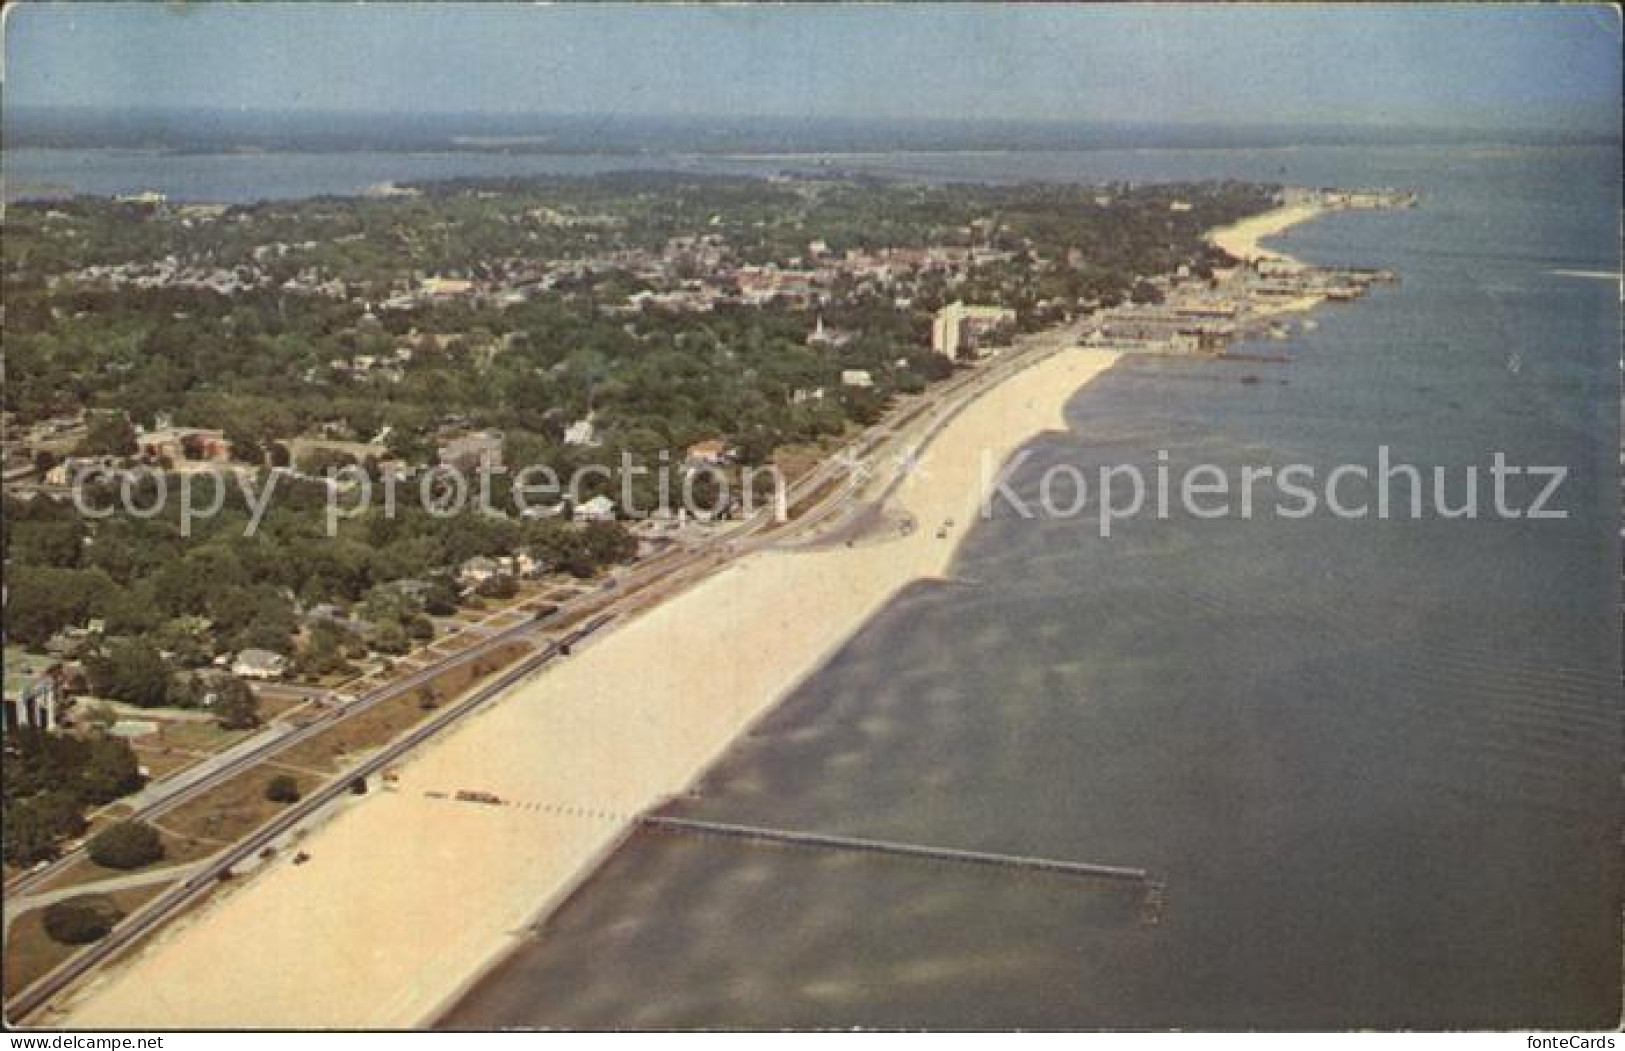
126	845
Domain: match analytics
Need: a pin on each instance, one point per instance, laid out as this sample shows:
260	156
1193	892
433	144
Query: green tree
608	543
246	446
46	543
235	706
440	599
282	789
42	600
110	770
34	827
108	434
390	637
132	671
1145	292
324	652
498	586
126	845
81	920
419	627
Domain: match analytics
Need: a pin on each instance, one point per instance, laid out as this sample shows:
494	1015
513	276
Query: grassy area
31	953
202	826
178	850
228	811
327	682
237	807
160	761
569	618
194	736
816	497
796	461
273	705
383	722
110	813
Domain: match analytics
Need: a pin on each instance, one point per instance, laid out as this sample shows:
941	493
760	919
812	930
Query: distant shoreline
519	148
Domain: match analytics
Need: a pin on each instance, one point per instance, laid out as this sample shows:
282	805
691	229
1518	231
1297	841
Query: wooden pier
818	841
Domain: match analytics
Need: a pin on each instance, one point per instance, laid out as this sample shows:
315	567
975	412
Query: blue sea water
1376	763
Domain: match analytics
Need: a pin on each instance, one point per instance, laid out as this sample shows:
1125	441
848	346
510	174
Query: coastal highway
220	867
915	426
642	586
834	486
197	780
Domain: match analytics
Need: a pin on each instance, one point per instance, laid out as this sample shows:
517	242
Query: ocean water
1376	763
239	178
242	177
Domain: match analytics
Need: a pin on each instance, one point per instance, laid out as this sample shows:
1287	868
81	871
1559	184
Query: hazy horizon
1465	68
763	119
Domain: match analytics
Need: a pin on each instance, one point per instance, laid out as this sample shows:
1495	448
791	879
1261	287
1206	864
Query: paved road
221	866
170	793
156	792
17	906
632	591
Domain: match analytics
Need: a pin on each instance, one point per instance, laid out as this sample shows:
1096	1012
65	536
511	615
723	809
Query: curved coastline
408	898
1244	239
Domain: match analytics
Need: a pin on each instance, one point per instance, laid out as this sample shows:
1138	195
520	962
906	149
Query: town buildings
481	450
598	509
178	444
958	330
34	694
259	664
583	432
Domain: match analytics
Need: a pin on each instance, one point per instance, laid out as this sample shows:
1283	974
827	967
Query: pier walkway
819	841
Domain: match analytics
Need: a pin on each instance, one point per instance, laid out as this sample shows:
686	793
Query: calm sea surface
1377	763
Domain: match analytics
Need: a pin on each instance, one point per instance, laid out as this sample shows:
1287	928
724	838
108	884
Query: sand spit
1242	239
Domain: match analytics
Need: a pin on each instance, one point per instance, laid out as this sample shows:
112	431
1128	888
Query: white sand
406	898
1242	239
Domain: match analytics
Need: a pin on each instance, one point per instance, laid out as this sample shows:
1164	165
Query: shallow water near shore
1376	763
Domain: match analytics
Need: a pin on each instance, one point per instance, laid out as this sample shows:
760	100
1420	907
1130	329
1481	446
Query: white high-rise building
957	327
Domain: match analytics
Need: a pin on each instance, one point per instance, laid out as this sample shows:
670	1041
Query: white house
526	564
582	432
598	509
477	570
713	452
259	664
856	378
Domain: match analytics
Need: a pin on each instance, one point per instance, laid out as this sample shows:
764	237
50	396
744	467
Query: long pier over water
818	841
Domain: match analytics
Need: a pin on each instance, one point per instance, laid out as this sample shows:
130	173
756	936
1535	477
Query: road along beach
410	894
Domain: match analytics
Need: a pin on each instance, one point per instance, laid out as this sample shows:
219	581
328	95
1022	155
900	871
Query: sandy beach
407	897
1242	239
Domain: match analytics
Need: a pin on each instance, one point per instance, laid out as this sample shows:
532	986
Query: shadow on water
1376	763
